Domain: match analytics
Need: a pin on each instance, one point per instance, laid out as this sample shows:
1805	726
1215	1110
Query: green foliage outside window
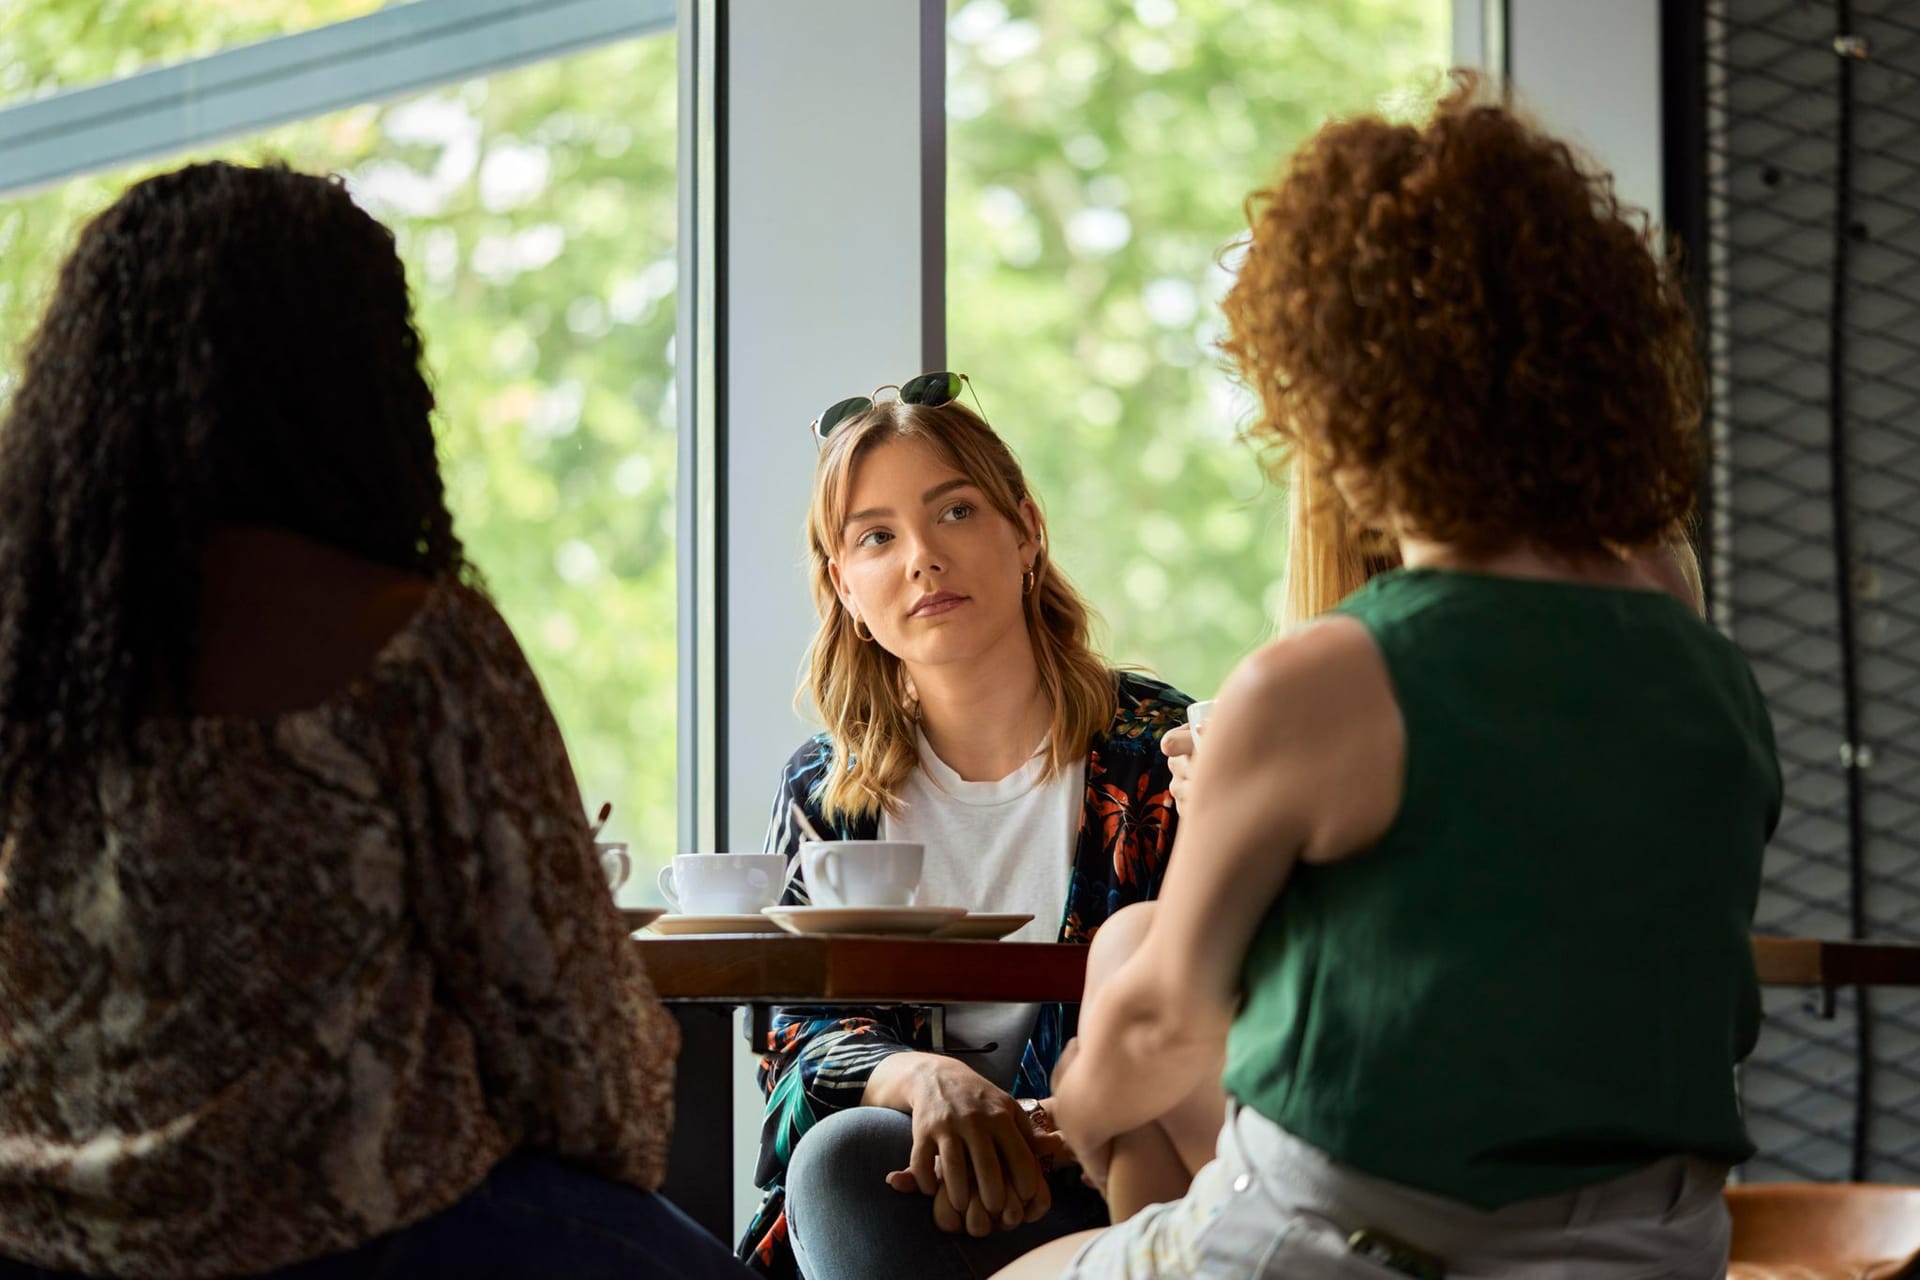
536	211
1099	154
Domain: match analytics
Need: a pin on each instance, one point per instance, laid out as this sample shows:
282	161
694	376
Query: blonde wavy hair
863	693
1329	555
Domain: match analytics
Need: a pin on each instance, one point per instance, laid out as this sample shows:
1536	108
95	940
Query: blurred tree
1100	151
536	211
1099	155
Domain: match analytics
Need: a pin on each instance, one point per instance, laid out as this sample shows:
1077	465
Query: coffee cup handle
667	887
828	865
625	863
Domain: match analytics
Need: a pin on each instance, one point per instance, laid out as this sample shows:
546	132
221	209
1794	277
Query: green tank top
1540	977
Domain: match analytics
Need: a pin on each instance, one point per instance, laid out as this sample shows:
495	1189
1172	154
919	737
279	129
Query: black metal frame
1683	104
1792	167
933	184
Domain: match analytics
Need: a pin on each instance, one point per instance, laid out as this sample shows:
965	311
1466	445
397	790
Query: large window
535	209
59	44
1099	155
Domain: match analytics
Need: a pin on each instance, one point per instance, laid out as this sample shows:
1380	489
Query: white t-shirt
998	846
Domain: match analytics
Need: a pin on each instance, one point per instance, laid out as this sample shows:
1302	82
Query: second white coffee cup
615	861
702	884
862	873
1197	713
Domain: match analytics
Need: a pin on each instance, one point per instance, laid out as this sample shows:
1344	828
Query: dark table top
790	969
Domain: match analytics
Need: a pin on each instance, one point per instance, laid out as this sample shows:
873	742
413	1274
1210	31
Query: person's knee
848	1153
1116	940
840	1209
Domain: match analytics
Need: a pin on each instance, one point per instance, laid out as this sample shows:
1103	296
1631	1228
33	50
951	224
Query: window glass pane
47	45
536	211
1099	153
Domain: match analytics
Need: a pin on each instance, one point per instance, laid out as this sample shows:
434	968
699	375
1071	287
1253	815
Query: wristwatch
1042	1121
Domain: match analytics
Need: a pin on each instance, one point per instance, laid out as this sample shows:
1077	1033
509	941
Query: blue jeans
533	1216
846	1223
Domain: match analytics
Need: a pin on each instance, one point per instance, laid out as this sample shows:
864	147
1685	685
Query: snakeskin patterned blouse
296	981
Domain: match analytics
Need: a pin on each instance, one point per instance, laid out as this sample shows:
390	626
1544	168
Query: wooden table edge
1787	961
861	969
1824	962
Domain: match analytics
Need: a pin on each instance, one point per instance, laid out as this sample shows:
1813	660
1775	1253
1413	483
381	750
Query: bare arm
1303	759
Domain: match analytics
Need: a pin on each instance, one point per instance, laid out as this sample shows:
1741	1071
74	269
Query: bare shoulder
1322	667
392	604
1316	707
287	624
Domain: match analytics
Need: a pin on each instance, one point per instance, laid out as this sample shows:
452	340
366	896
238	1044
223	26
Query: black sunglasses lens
931	389
839	412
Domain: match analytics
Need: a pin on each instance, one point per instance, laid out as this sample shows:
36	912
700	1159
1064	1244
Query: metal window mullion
700	513
243	90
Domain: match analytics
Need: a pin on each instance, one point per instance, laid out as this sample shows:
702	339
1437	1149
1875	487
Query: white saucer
674	922
863	919
985	925
640	917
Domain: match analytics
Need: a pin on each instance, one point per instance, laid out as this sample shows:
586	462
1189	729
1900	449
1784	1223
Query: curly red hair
1468	337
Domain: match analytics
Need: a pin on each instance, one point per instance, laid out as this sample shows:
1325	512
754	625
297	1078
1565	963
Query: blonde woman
965	708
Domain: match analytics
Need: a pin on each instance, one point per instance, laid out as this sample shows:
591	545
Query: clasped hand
979	1156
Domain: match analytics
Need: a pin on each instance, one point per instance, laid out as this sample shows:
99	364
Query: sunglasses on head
929	389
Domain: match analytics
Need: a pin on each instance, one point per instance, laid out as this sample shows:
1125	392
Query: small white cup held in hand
862	873
722	884
1197	714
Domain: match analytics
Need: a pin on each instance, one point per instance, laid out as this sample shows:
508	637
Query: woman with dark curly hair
305	954
1467	871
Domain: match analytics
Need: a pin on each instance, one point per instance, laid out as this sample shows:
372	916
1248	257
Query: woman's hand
1050	1150
1093	1162
1049	1145
1178	747
971	1146
1093	1170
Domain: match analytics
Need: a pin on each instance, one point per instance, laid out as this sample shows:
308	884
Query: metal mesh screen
1813	255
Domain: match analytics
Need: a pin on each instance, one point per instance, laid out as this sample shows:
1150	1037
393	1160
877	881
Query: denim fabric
848	1224
533	1216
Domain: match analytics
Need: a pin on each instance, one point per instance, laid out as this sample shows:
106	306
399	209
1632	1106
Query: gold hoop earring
864	639
1031	580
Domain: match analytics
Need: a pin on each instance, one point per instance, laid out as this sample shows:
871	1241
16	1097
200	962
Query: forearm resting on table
1145	1044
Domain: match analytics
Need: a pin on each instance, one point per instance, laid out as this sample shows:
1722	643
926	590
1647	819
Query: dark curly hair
225	344
1463	324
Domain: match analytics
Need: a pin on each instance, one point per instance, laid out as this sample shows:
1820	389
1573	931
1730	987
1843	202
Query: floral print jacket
821	1058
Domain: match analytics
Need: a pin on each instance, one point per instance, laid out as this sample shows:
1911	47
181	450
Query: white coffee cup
723	884
615	862
862	873
1197	714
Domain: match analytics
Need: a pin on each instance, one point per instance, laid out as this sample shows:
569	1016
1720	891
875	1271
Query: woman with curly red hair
1467	868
